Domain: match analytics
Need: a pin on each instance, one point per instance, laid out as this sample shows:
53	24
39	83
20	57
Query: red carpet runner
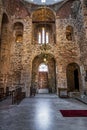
74	113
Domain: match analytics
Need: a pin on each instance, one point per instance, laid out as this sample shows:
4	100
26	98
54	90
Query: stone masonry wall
64	52
0	16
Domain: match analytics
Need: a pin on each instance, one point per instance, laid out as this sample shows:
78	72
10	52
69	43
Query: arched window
43	21
69	33
43	68
43	36
18	28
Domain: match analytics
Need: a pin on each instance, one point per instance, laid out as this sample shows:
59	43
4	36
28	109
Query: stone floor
42	112
82	98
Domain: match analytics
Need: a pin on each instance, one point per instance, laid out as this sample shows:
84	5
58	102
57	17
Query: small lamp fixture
45	59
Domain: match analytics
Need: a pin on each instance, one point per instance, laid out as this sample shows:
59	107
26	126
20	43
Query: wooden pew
17	95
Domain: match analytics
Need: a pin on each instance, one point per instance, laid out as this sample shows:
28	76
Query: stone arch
4	49
43	18
17	53
43	14
73	77
50	76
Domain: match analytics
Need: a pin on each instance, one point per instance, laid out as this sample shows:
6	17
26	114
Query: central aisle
42	112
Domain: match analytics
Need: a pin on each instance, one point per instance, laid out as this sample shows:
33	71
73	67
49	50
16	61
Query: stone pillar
83	79
27	55
61	78
26	78
0	27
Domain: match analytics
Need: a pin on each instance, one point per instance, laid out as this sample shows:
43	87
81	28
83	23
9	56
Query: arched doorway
43	78
73	77
44	74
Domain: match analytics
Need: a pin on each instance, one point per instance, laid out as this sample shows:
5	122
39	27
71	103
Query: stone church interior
43	46
43	64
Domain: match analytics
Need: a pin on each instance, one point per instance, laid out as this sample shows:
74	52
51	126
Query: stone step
43	91
73	94
82	98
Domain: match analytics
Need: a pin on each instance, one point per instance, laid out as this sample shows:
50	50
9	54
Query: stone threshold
82	99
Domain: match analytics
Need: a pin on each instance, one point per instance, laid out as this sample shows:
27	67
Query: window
43	1
18	29
43	30
69	33
43	36
43	68
39	37
47	37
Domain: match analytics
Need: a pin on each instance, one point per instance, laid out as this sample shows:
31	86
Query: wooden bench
17	95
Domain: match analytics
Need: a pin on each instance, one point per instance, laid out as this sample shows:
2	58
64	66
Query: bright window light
47	37
43	35
39	38
43	68
43	1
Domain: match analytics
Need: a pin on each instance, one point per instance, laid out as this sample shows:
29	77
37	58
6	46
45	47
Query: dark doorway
73	77
76	79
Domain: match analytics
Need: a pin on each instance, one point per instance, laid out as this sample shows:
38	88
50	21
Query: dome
47	2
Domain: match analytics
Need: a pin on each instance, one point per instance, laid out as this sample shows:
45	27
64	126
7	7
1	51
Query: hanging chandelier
44	47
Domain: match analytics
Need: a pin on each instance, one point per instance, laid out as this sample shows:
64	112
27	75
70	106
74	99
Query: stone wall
0	16
21	55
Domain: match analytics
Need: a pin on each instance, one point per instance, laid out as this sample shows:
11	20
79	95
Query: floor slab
42	112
